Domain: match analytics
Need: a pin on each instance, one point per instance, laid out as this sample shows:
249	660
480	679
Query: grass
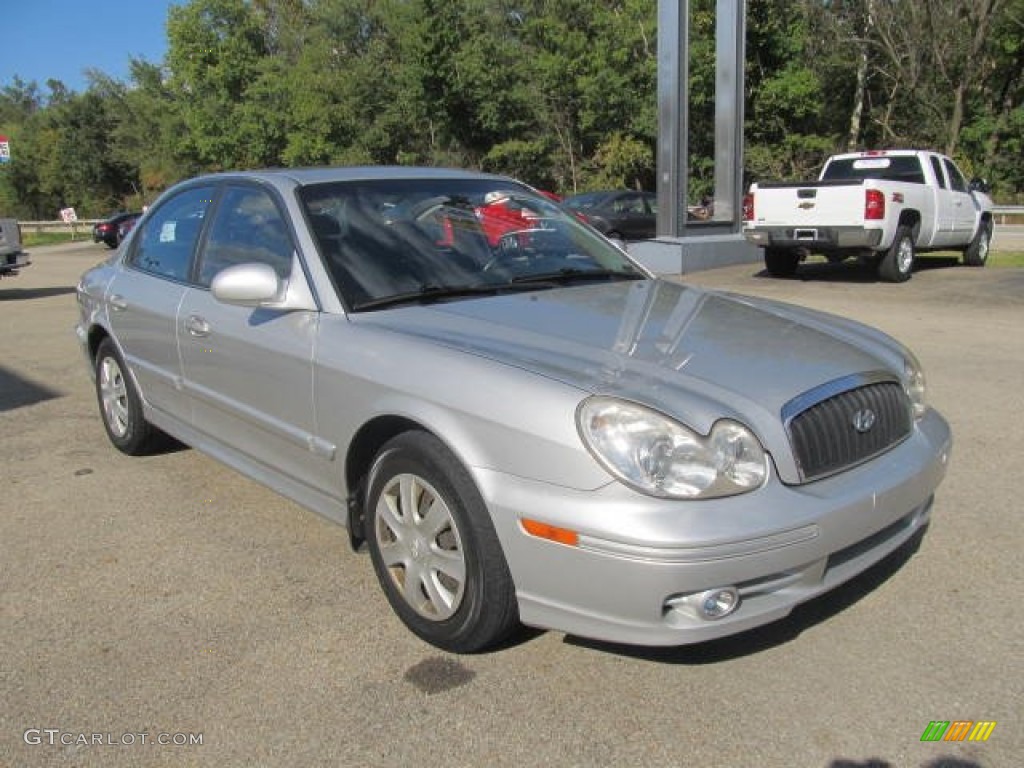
32	239
1006	259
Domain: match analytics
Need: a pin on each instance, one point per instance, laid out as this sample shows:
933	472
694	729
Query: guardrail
1000	212
80	227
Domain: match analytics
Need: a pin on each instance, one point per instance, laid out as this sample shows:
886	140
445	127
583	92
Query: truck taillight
748	207
874	204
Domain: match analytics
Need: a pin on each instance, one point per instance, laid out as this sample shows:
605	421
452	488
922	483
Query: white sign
68	215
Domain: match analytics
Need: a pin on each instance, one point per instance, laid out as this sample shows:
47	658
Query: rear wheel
898	262
781	262
434	548
120	404
976	254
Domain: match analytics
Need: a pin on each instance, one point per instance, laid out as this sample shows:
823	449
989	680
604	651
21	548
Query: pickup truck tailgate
816	204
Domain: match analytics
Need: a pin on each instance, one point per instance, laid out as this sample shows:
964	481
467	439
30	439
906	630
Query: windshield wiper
574	274
430	292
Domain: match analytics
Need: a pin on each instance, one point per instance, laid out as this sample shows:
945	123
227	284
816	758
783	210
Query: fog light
718	603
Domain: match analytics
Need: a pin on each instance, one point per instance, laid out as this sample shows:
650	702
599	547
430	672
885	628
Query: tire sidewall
423	455
890	268
781	262
973	256
135	435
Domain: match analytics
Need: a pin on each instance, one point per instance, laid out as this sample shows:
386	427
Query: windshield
432	239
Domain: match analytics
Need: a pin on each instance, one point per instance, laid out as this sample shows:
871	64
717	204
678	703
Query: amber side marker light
550	532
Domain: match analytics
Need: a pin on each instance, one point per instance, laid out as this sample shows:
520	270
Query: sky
60	39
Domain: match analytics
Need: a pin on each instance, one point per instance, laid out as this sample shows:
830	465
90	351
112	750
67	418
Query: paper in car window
167	231
872	162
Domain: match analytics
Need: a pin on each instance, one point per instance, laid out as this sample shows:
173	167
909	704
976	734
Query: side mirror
978	184
247	285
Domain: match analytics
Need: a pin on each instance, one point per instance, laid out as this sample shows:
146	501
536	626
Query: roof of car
319	175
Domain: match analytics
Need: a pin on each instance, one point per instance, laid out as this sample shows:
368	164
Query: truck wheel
434	549
898	262
976	254
781	262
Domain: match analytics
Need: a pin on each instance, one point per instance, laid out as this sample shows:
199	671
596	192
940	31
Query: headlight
658	456
913	383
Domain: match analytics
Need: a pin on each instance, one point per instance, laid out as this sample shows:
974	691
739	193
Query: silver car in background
520	423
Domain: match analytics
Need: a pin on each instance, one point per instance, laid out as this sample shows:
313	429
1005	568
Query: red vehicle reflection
501	214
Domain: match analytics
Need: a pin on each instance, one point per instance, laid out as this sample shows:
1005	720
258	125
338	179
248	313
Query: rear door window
168	238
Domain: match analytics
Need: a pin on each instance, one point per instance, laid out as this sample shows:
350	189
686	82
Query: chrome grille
833	430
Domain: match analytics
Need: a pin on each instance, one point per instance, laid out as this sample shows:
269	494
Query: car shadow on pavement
16	391
948	761
803	617
856	272
23	294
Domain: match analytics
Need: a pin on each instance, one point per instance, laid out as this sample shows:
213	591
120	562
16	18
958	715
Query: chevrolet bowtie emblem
806	206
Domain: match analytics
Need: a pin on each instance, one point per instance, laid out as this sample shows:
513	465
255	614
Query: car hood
695	355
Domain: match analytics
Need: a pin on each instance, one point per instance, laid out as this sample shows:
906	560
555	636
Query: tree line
560	93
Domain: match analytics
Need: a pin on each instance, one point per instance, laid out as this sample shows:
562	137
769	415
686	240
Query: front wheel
781	262
898	262
976	253
434	548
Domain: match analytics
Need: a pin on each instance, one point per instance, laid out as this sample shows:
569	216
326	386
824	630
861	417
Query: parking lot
159	602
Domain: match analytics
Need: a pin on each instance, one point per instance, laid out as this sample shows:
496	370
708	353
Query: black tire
897	264
781	262
976	253
121	406
453	535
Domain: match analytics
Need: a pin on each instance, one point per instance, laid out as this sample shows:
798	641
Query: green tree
216	53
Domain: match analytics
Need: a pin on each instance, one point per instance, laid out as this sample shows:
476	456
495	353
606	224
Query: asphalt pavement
147	605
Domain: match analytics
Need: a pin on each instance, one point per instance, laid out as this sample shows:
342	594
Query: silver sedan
519	423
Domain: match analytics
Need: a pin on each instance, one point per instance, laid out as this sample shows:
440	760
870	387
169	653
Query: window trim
940	172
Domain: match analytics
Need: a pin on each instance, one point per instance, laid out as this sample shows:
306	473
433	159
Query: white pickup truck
881	206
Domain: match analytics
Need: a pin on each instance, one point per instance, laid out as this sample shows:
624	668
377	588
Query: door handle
117	302
197	327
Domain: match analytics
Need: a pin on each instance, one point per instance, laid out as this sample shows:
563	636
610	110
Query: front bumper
779	546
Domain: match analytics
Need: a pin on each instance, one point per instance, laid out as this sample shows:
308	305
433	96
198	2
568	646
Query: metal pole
673	108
